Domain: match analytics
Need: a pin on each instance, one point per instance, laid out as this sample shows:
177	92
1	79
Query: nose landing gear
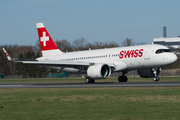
156	79
156	72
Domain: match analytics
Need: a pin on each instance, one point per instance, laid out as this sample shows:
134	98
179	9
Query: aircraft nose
173	58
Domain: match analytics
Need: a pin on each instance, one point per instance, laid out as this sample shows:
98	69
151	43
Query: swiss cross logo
44	38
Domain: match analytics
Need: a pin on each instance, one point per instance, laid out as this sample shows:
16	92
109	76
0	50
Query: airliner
101	63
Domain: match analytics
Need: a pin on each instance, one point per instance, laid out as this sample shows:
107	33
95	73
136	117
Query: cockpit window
162	51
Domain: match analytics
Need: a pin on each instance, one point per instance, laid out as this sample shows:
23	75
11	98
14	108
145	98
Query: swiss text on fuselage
131	53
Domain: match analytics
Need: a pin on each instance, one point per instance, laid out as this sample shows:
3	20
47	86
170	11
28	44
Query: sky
94	20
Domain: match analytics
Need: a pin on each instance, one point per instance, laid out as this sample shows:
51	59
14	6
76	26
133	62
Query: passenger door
147	53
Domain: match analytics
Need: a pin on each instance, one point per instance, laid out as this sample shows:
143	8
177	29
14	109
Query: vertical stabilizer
48	47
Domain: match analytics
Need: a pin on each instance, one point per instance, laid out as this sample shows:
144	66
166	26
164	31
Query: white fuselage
123	58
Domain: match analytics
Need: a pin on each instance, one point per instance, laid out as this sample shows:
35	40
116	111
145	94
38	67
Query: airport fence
133	73
164	72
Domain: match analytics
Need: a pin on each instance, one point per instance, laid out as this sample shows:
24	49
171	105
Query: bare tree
141	43
79	44
63	45
128	42
112	44
98	45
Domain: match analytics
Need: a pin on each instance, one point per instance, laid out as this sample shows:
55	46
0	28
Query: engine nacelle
99	71
146	73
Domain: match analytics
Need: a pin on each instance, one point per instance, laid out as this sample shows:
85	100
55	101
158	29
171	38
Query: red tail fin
48	47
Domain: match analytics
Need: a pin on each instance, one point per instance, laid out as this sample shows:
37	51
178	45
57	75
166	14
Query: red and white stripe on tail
7	55
48	47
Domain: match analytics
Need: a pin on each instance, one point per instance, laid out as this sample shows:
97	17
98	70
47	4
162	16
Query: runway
95	85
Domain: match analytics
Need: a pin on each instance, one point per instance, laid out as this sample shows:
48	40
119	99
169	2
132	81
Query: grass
75	80
131	103
90	103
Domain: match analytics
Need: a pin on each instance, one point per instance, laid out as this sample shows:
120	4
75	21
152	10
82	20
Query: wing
58	63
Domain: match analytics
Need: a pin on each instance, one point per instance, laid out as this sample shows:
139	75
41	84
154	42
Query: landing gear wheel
92	81
88	80
122	79
156	79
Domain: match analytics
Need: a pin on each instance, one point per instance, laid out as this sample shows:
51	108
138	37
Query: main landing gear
123	78
88	80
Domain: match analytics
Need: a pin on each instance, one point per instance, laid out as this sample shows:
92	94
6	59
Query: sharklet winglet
7	55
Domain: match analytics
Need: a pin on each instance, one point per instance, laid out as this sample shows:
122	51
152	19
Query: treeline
32	52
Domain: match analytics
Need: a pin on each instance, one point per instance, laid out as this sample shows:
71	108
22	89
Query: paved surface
84	85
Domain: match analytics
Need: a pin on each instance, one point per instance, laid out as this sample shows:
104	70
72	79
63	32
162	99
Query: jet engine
146	73
99	71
